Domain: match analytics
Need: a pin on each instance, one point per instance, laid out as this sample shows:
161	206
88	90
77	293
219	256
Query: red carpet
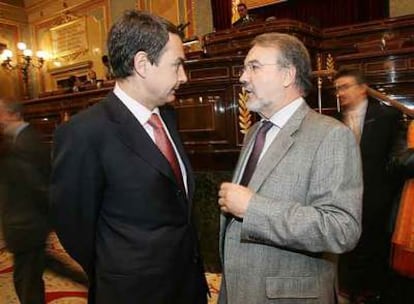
60	289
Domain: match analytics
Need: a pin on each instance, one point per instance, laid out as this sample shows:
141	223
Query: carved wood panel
207	106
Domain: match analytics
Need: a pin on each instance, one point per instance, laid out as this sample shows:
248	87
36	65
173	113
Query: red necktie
164	144
256	151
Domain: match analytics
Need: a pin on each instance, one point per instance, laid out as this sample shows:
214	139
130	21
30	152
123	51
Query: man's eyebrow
253	61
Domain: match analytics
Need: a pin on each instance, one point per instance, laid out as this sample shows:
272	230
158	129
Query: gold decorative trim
69	38
72	57
245	117
64	18
330	66
85	65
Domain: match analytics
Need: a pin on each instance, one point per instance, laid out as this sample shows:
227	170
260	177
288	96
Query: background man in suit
377	128
245	18
285	219
122	184
24	175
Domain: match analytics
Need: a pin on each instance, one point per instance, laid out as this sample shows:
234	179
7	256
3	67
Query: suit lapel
279	147
134	136
370	117
245	152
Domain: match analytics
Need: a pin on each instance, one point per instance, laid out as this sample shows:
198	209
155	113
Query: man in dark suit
363	271
121	200
24	175
245	17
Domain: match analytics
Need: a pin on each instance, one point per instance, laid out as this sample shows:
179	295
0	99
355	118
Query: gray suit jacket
305	210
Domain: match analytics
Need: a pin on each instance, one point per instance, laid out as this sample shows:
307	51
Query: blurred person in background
24	177
378	130
245	17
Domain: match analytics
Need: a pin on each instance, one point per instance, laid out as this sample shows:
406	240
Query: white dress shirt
279	119
142	114
354	118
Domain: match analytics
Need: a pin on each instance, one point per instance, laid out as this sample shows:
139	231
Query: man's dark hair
242	4
347	72
137	31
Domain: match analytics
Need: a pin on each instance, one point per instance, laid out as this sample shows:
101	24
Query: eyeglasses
345	87
253	67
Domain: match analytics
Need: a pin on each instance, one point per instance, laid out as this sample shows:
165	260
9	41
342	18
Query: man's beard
257	105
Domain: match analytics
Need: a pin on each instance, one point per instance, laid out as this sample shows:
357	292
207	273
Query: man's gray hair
292	53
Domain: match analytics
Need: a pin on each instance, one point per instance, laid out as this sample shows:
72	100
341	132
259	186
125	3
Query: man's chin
170	98
253	105
343	103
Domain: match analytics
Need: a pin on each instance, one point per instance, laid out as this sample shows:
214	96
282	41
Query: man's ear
290	75
141	63
364	88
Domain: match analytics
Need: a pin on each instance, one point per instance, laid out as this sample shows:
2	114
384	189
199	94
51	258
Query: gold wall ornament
245	117
65	17
330	66
70	38
321	73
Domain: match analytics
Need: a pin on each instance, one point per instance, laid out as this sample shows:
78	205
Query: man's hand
234	199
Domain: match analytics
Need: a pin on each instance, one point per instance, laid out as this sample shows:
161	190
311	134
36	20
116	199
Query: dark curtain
373	10
327	13
221	14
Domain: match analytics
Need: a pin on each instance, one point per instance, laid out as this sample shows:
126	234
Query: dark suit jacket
244	21
364	268
24	172
380	135
119	211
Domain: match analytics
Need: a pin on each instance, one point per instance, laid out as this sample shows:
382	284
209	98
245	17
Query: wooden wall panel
208	105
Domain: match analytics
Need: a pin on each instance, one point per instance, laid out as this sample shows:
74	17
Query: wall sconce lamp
24	62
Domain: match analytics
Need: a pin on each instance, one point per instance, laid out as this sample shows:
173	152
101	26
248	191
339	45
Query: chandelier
24	62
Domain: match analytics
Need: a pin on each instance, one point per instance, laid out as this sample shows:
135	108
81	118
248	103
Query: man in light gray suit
295	199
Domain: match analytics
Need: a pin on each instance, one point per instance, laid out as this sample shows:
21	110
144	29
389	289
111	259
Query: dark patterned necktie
164	144
256	151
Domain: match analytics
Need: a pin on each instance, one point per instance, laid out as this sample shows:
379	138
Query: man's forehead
345	79
174	46
258	53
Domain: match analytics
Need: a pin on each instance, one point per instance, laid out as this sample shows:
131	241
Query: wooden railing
394	103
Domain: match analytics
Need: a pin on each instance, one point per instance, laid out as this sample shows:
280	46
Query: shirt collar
138	110
14	129
281	117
